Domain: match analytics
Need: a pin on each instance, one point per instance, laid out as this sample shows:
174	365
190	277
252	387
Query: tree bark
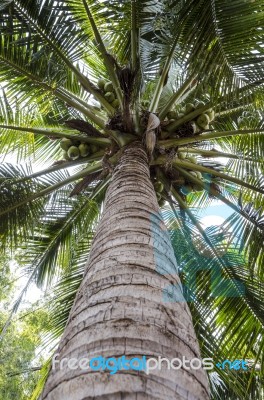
122	305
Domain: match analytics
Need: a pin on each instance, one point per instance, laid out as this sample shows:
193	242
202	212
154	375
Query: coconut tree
134	108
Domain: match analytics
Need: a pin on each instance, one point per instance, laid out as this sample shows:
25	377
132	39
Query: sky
216	214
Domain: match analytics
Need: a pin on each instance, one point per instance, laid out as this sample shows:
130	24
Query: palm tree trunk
122	306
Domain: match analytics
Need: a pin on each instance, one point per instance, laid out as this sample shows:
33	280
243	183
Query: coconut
115	103
189	108
84	149
108	87
110	97
203	121
172	115
211	115
73	152
101	83
192	160
158	186
65	144
181	155
199	175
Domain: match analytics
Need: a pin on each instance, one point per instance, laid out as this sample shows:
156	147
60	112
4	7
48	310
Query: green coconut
182	155
115	103
203	121
65	144
192	160
172	115
84	150
101	83
158	186
189	107
199	175
211	115
110	97
73	152
108	87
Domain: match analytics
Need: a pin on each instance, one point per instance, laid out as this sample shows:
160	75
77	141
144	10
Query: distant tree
19	372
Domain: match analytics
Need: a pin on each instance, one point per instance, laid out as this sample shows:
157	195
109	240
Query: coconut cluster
186	186
73	149
200	123
159	189
109	92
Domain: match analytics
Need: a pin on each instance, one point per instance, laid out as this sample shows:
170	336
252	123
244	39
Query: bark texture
122	306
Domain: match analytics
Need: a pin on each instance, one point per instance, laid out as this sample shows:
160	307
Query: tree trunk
122	305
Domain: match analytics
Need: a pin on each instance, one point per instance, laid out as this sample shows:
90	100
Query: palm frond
218	309
14	225
21	202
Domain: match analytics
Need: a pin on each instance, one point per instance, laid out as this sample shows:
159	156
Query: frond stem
90	169
205	136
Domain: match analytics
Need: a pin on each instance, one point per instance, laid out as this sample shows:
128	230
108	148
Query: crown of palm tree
80	80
